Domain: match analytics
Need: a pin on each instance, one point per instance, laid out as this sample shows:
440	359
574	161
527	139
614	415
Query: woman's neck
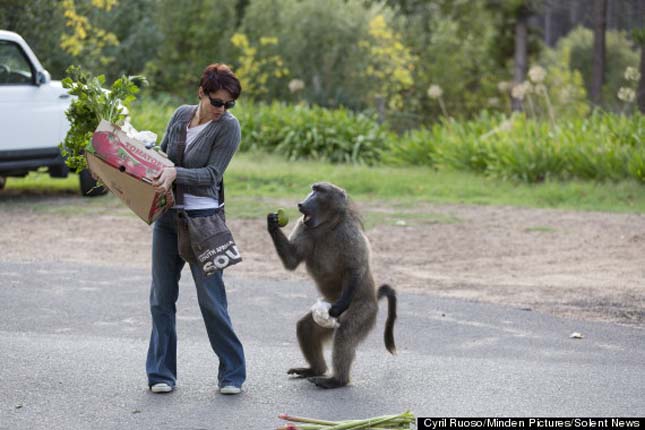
199	119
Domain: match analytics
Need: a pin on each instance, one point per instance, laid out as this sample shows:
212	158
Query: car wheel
89	187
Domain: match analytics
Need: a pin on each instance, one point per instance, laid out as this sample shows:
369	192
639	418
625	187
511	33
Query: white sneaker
161	387
230	389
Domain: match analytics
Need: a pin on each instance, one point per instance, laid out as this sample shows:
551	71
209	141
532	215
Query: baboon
329	238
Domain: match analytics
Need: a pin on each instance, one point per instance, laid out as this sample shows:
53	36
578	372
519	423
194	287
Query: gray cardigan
206	159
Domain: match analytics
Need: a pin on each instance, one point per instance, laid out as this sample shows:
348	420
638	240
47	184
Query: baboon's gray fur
329	238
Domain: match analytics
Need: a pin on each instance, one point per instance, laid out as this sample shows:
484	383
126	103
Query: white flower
435	91
519	91
537	74
626	94
493	101
506	125
296	85
566	94
631	74
504	86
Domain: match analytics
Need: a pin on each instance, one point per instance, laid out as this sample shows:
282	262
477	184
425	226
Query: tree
389	67
36	21
639	38
515	38
194	34
319	42
87	41
520	63
139	37
599	50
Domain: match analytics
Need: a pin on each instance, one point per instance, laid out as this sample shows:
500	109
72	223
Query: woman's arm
166	137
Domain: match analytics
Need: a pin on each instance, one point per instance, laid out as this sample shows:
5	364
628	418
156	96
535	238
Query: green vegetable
92	104
283	218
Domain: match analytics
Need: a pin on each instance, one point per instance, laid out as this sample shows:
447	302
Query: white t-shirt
192	202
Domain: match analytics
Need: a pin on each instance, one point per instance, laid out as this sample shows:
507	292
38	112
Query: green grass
262	176
259	183
42	183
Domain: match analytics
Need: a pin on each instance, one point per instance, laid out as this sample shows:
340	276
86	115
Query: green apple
283	218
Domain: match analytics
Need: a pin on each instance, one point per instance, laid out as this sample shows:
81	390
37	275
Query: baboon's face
324	201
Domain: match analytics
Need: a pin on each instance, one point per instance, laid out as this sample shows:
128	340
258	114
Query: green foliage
257	66
319	45
575	49
390	63
527	153
638	34
28	19
637	164
87	40
566	92
91	105
506	14
194	34
300	132
600	147
132	22
451	42
152	112
415	148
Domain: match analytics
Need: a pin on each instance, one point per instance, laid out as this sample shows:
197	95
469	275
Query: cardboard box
127	168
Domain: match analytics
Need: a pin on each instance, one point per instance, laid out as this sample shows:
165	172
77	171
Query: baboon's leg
347	337
311	337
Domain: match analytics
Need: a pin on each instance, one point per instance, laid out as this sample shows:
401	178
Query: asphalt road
73	343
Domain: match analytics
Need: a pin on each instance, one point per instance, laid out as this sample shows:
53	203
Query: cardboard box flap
116	148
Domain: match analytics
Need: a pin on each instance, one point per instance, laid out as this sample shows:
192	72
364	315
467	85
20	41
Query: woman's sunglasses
219	103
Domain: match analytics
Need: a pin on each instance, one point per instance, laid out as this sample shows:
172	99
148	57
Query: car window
15	68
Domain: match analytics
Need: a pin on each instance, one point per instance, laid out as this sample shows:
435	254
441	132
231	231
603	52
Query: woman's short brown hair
220	77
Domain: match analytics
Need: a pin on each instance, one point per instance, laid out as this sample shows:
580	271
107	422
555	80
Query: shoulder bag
203	240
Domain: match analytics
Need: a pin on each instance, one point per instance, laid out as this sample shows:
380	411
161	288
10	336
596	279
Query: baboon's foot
324	382
305	372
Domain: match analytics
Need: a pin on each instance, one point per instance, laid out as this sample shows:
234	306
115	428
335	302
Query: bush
301	132
575	50
600	147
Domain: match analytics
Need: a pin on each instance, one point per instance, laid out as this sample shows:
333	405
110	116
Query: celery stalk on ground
385	422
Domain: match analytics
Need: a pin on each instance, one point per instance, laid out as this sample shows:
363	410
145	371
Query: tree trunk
599	50
521	53
548	24
640	95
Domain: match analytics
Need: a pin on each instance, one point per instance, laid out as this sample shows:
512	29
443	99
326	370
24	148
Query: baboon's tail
387	291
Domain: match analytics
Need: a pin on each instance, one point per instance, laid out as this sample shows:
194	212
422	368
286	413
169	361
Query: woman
212	135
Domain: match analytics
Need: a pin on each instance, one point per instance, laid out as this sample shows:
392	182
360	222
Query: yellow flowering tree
258	64
390	63
87	41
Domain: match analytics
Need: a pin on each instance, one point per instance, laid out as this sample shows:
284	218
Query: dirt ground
580	265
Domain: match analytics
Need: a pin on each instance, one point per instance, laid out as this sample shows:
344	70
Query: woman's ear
200	92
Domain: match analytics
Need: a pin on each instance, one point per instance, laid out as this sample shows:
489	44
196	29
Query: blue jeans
161	364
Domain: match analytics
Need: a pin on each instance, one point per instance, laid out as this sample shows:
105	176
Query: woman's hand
164	180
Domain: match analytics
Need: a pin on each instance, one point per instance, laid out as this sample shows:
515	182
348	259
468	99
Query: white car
32	115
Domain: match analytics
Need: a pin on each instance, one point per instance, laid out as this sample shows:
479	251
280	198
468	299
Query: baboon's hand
272	221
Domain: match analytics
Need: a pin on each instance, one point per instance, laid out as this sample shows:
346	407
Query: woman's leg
211	294
161	364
